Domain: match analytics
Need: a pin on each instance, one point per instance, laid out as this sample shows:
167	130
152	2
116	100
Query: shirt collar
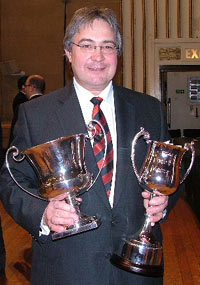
33	95
106	94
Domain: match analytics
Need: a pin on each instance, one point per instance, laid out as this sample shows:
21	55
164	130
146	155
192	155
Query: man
92	44
19	99
34	86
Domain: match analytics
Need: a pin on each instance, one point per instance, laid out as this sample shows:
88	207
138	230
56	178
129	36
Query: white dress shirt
108	108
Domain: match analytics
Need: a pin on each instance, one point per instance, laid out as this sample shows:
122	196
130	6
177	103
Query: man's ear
32	87
68	55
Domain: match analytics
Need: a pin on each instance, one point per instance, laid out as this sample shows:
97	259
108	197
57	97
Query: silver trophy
141	253
61	168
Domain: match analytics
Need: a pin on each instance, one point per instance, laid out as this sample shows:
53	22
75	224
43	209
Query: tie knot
96	100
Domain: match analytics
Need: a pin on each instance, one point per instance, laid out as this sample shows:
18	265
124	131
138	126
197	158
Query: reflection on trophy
141	253
60	167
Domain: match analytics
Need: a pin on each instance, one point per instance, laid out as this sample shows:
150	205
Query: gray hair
85	16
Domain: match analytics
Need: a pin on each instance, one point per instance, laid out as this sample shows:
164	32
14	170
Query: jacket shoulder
50	100
134	96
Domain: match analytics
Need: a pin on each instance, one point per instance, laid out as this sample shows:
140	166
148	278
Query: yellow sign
192	53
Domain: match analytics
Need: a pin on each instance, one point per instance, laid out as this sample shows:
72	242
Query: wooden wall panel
156	20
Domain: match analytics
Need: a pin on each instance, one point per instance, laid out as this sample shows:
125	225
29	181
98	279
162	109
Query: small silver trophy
61	168
141	253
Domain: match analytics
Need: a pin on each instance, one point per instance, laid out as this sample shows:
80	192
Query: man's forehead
88	31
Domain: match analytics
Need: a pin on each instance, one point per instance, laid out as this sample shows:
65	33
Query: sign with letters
192	53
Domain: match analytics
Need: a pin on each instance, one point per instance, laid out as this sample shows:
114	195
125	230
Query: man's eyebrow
92	41
85	40
109	42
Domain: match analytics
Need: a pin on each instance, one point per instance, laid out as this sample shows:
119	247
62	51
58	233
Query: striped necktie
99	145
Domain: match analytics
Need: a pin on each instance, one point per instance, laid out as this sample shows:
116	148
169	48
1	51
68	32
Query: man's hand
58	214
155	206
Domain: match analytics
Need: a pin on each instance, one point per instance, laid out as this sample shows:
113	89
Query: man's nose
98	53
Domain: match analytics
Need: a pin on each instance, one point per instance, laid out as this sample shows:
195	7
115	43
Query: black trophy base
128	265
83	225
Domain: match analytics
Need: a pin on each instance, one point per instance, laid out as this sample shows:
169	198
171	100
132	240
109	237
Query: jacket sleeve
26	210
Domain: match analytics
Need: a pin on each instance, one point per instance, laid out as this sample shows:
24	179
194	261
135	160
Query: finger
156	218
58	216
146	203
60	223
158	200
57	228
59	213
59	197
153	210
62	205
146	194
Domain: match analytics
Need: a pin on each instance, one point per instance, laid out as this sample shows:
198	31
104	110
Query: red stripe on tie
107	177
109	158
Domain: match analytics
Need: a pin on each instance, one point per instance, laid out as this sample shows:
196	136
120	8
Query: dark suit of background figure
2	246
32	87
84	258
19	99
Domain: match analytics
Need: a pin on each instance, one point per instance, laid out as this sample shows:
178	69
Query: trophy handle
92	132
189	146
134	142
16	153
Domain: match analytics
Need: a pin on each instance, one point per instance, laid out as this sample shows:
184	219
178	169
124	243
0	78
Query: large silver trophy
141	253
61	168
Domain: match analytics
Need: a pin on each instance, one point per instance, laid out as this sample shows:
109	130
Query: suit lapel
69	108
125	121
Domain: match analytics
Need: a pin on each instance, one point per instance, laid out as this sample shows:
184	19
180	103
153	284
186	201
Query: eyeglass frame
94	47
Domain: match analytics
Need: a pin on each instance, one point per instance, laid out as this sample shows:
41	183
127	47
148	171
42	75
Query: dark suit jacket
84	258
19	99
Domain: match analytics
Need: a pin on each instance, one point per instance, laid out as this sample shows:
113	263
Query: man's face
93	70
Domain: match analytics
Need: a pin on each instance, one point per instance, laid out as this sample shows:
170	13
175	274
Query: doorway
180	97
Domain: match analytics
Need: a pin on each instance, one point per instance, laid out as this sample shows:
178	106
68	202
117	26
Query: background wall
32	41
147	23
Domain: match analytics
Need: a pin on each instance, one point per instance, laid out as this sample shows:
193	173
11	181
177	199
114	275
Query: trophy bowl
60	167
161	171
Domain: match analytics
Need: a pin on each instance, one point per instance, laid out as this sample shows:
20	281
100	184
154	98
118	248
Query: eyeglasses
27	85
90	48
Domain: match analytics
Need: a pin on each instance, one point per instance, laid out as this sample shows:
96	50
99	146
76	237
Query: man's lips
96	68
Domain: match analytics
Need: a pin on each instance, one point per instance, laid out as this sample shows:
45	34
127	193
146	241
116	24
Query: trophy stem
145	234
71	200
